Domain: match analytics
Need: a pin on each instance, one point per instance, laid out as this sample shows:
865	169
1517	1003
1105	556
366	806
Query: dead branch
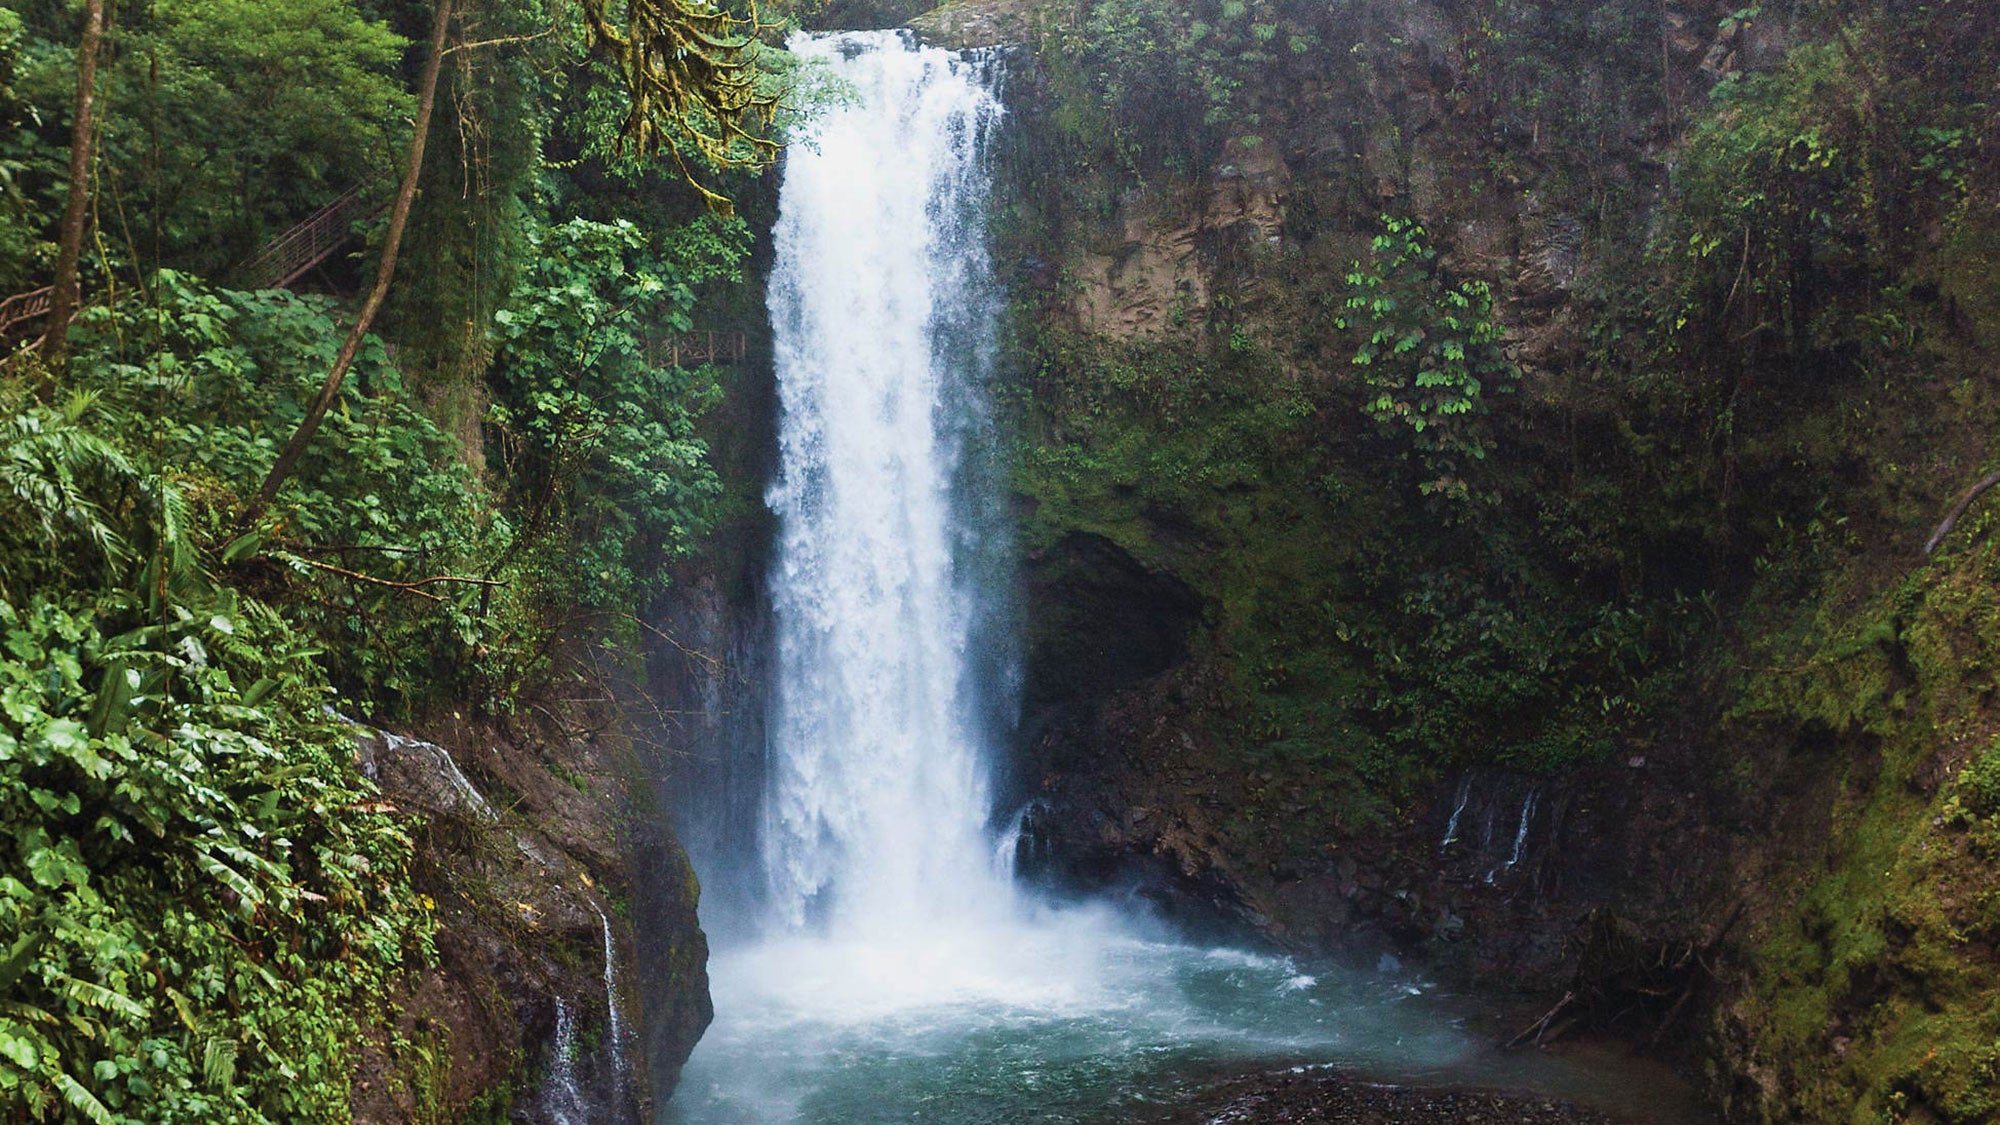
1699	954
1958	509
345	548
502	41
1534	1032
416	587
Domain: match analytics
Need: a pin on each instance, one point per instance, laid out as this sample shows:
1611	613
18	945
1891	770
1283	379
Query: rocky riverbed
1314	1096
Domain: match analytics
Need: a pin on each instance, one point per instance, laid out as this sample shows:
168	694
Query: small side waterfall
1458	810
1521	830
883	319
563	1102
614	1028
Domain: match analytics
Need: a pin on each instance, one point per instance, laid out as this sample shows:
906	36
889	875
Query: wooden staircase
299	250
282	261
289	256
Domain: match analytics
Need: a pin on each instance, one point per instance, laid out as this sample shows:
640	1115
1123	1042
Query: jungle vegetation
233	519
1437	528
427	474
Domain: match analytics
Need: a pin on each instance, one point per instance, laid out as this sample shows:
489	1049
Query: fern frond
92	995
83	1101
218	1063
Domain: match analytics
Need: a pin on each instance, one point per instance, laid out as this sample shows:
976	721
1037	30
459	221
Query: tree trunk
399	215
66	293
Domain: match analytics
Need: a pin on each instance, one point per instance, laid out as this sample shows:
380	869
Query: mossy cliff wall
540	843
1696	305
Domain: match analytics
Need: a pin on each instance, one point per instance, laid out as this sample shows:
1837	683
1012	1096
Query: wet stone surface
1317	1097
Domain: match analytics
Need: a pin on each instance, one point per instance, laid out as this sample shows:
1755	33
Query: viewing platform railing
289	256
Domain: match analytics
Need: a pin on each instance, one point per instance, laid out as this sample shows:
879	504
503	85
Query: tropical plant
1432	358
382	499
201	903
202	907
595	421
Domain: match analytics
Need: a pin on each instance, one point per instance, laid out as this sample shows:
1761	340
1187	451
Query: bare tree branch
1957	510
416	587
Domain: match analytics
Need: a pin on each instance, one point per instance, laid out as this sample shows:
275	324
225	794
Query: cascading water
881	317
562	1100
1521	830
897	975
1458	810
614	1029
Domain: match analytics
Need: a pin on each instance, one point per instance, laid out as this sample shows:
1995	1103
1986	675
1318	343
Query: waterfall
892	973
1520	836
454	777
1451	827
562	1098
614	1030
1521	831
882	317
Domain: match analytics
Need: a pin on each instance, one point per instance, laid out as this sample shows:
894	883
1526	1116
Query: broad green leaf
83	1101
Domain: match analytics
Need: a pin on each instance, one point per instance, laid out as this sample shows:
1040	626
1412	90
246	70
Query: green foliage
255	113
224	120
54	468
1804	189
201	908
221	376
1979	785
595	421
1173	84
204	918
1433	355
24	215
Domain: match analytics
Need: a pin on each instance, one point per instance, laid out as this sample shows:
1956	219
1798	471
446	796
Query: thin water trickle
1451	827
562	1098
454	777
1521	830
614	1030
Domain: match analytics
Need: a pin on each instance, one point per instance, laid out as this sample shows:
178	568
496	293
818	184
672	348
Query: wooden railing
287	257
696	348
22	308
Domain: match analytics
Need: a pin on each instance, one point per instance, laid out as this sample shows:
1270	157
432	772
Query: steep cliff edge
559	896
1583	626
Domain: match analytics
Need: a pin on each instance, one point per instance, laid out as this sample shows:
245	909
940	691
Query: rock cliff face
1193	705
544	860
1134	679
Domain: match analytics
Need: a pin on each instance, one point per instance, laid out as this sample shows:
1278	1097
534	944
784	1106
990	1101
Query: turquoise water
1078	1023
908	978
